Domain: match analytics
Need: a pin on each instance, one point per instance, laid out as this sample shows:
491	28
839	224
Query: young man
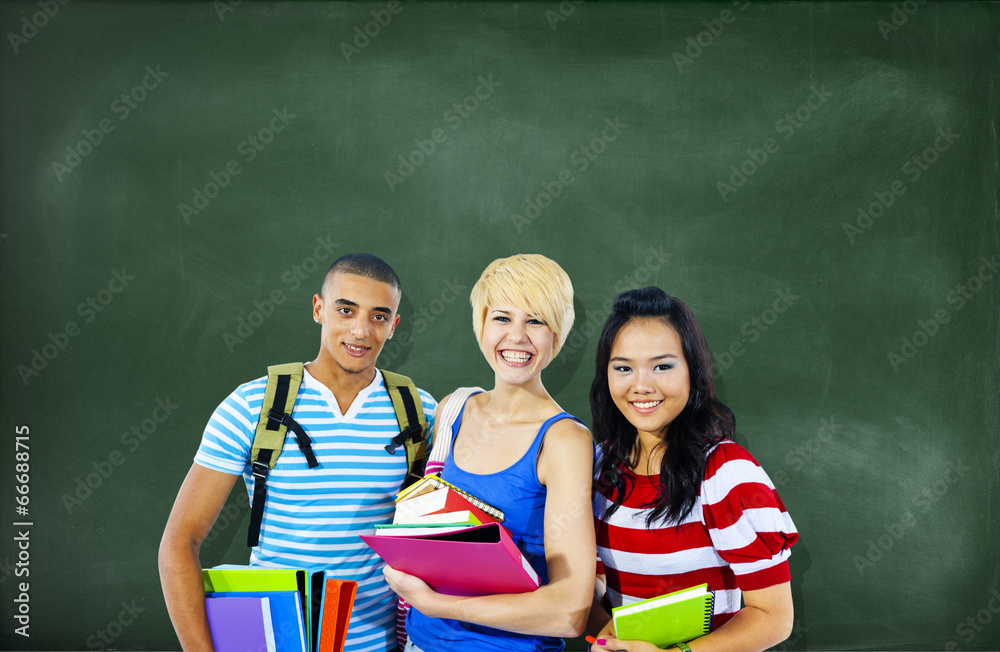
313	516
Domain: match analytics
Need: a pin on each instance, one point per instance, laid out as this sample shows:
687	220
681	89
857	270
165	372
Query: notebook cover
666	624
479	560
240	624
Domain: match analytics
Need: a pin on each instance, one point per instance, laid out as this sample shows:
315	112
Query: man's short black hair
365	265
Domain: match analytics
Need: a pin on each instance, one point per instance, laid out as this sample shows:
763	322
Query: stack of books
277	610
453	541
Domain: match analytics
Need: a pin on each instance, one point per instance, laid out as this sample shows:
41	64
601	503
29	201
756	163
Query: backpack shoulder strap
412	424
283	382
448	413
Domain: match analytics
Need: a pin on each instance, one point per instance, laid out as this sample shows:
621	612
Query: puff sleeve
746	520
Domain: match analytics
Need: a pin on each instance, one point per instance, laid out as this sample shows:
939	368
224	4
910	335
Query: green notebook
675	617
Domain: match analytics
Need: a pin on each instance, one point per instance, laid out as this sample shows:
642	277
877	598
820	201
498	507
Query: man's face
358	315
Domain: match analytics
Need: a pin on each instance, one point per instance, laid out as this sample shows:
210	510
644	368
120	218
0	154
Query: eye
344	310
622	369
536	322
667	366
381	317
501	318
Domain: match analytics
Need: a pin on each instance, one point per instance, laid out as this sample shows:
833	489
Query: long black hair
702	423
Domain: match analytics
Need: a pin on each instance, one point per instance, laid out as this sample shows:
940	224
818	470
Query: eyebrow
349	303
659	357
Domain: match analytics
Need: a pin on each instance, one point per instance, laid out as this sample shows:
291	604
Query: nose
643	382
359	329
517	333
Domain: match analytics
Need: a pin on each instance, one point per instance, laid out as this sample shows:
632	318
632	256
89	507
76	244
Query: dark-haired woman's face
647	375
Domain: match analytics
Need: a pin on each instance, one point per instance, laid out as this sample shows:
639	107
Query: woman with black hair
676	502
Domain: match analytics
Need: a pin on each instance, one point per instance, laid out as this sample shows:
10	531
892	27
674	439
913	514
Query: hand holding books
453	556
662	622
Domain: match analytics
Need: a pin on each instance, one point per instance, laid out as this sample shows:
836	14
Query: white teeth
354	348
517	357
646	405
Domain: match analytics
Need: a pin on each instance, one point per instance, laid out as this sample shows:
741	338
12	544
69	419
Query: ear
317	308
392	330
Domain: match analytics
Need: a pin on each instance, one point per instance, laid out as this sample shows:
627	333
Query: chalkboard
818	181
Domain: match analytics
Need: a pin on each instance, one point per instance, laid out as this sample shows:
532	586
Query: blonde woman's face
517	345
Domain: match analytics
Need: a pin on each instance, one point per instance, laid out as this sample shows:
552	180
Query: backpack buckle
277	416
260	470
412	431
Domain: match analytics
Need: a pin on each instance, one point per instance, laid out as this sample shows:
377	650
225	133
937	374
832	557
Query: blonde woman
514	447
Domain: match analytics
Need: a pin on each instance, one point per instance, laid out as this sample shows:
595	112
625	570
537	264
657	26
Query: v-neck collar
331	400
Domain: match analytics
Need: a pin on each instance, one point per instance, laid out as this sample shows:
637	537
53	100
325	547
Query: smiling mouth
645	406
516	358
356	351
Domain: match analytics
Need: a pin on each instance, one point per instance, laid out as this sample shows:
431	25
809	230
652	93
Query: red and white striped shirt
736	538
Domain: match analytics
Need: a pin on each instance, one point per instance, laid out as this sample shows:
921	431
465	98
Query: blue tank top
517	492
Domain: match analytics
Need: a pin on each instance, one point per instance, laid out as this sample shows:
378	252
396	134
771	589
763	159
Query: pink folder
480	560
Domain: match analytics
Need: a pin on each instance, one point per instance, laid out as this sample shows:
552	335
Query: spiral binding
709	611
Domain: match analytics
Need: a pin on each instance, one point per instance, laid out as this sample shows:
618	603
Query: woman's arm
598	618
765	621
559	608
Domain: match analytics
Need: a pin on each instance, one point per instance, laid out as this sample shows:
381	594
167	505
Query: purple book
240	624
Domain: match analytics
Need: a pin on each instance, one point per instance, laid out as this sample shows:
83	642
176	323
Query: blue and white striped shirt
313	516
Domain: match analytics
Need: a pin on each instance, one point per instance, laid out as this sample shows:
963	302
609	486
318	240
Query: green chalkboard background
818	181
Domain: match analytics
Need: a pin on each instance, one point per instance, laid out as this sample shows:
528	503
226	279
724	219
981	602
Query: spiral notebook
676	617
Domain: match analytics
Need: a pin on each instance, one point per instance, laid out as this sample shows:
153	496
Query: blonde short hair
533	283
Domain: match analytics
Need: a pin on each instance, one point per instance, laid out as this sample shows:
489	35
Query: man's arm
199	501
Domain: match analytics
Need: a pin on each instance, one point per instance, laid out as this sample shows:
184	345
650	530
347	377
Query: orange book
335	614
